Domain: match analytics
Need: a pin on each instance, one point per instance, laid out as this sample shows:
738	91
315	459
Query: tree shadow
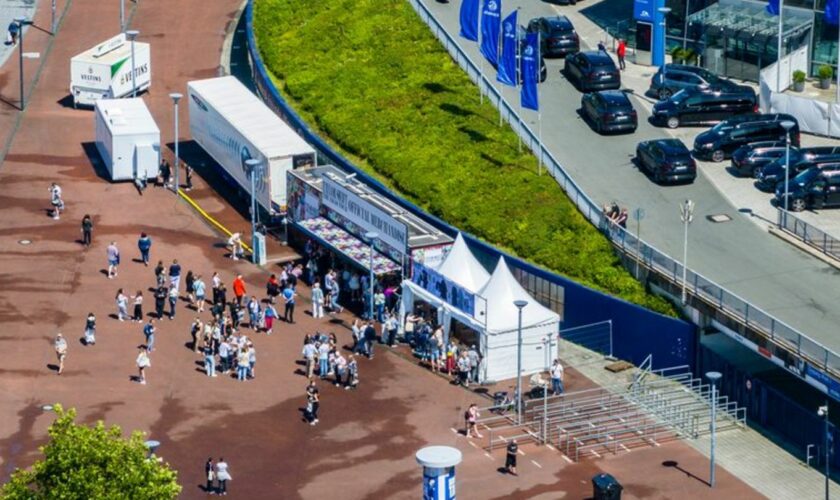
490	159
454	109
474	135
436	88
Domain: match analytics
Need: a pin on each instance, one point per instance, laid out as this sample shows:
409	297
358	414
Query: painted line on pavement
551	447
568	459
488	455
535	463
624	447
472	444
595	453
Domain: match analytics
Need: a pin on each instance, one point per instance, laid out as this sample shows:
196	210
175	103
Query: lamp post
779	46
254	169
132	35
371	237
519	305
687	215
713	378
151	445
685	23
52	24
175	98
20	22
787	125
823	412
122	16
664	11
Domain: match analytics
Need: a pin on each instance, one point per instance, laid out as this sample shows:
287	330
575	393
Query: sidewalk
8	13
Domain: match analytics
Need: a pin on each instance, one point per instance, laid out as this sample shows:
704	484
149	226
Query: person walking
269	315
122	305
323	359
557	378
149	332
510	457
309	353
90	329
222	476
239	290
352	373
188	173
464	369
235	244
621	51
195	332
60	346
253	312
161	293
369	339
87	230
289	299
209	474
175	274
143	362
242	364
252	360
313	403
317	301
189	283
56	201
475	361
471	419
199	289
173	300
113	254
144	244
390	326
209	359
137	301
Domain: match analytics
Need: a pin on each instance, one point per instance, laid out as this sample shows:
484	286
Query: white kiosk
128	139
438	471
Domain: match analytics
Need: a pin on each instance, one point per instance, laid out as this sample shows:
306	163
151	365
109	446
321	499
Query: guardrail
638	250
809	234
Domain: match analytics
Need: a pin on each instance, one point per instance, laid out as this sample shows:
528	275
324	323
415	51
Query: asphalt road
793	287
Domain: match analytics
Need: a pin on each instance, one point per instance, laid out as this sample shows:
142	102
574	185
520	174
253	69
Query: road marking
535	463
488	455
486	426
654	442
453	430
472	444
568	459
551	447
624	447
522	453
595	453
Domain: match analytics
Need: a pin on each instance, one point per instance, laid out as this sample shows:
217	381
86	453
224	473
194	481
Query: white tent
461	266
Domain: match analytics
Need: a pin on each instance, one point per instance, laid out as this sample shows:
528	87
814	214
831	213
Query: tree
92	463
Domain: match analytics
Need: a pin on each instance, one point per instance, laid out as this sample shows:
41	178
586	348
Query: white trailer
233	125
128	139
104	71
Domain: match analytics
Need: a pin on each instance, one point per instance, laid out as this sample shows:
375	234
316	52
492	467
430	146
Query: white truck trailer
233	125
104	71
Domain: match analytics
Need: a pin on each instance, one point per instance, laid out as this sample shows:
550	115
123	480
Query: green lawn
369	75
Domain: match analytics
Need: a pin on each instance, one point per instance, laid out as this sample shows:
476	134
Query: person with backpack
470	421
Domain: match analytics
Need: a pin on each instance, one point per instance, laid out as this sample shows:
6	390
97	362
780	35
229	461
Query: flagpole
481	56
516	75
538	65
540	149
499	40
837	71
779	47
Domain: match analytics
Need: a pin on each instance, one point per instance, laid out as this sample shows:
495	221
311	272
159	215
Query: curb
785	236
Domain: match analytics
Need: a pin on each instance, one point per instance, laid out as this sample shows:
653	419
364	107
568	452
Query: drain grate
718	218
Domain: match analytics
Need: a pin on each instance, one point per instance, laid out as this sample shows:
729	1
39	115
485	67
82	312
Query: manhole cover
25	242
718	218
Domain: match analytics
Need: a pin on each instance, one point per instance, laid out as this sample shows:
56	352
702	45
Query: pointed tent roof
501	290
461	266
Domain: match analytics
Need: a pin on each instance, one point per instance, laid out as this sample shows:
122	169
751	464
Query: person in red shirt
621	51
239	289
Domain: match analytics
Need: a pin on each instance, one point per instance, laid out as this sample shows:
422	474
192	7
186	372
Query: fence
809	234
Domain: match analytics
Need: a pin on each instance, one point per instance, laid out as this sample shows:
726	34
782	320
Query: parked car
592	70
704	105
666	160
609	111
774	173
719	142
749	159
557	35
814	188
671	78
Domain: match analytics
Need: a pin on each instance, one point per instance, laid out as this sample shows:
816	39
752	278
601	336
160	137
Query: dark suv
774	173
609	111
719	142
749	159
675	77
666	160
594	70
814	188
557	35
704	105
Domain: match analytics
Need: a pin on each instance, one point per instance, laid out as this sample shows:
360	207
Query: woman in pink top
471	417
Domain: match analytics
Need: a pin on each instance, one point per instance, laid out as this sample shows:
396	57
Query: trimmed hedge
370	76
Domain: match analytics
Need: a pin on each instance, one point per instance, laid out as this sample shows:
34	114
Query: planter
825	83
798	86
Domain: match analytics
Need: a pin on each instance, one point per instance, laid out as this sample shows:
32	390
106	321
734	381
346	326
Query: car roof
614	96
721	89
671	145
759	117
596	57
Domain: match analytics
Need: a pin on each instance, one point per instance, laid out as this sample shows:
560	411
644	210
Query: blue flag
469	19
773	7
832	12
530	72
507	60
491	16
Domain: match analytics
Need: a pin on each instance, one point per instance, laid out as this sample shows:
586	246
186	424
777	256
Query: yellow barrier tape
207	216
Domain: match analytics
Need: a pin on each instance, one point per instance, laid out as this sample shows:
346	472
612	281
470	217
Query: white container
128	139
233	125
104	71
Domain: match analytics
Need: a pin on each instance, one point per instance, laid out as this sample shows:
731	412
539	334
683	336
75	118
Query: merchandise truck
104	71
233	125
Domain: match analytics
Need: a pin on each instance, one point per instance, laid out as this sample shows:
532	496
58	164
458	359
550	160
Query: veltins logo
198	102
492	6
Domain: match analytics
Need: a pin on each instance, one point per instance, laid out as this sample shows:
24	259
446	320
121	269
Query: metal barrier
808	233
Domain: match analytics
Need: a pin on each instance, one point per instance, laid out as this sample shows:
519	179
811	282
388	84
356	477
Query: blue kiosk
438	471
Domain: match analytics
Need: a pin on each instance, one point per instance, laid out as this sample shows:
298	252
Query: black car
671	78
609	111
749	159
666	160
773	174
594	70
557	35
719	142
814	188
704	105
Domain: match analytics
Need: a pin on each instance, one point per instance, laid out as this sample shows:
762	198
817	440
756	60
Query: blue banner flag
530	72
469	19
491	16
507	60
773	7
832	12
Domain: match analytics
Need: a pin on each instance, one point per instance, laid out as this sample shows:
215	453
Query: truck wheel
797	204
717	156
673	122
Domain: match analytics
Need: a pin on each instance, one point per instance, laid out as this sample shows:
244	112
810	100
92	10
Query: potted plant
677	55
689	56
798	81
825	73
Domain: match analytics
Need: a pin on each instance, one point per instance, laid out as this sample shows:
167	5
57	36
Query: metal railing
637	250
809	234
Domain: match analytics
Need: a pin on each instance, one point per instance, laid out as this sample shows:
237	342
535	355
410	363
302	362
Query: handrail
808	233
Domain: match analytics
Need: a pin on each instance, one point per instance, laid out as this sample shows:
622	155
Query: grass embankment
371	77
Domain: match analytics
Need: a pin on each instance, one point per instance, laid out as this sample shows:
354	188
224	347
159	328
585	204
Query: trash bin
605	487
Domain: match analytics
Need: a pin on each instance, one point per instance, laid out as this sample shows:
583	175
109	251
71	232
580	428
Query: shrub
825	72
799	76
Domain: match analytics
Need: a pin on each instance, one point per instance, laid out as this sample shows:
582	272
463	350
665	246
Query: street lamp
132	35
20	22
687	215
254	168
823	412
787	125
175	98
519	305
371	237
685	23
664	11
713	378
122	16
151	445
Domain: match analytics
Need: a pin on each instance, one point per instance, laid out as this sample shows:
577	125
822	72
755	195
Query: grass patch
369	75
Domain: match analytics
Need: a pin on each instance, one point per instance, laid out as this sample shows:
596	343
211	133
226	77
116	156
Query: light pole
132	35
254	169
664	11
685	23
122	16
823	412
285	222
787	125
519	305
151	445
20	22
371	237
713	378
53	18
687	215
175	98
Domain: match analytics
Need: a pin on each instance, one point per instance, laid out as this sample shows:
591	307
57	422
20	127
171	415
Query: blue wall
637	332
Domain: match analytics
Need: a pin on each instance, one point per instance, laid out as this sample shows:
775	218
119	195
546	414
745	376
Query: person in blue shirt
149	332
289	298
175	274
144	244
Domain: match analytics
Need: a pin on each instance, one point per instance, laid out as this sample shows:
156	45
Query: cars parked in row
814	188
609	111
558	37
666	160
771	175
749	159
592	70
704	105
671	78
718	143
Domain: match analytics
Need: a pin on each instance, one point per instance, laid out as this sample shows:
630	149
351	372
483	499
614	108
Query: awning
357	251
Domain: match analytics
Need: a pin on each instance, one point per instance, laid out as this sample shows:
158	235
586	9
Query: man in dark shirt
370	338
510	458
